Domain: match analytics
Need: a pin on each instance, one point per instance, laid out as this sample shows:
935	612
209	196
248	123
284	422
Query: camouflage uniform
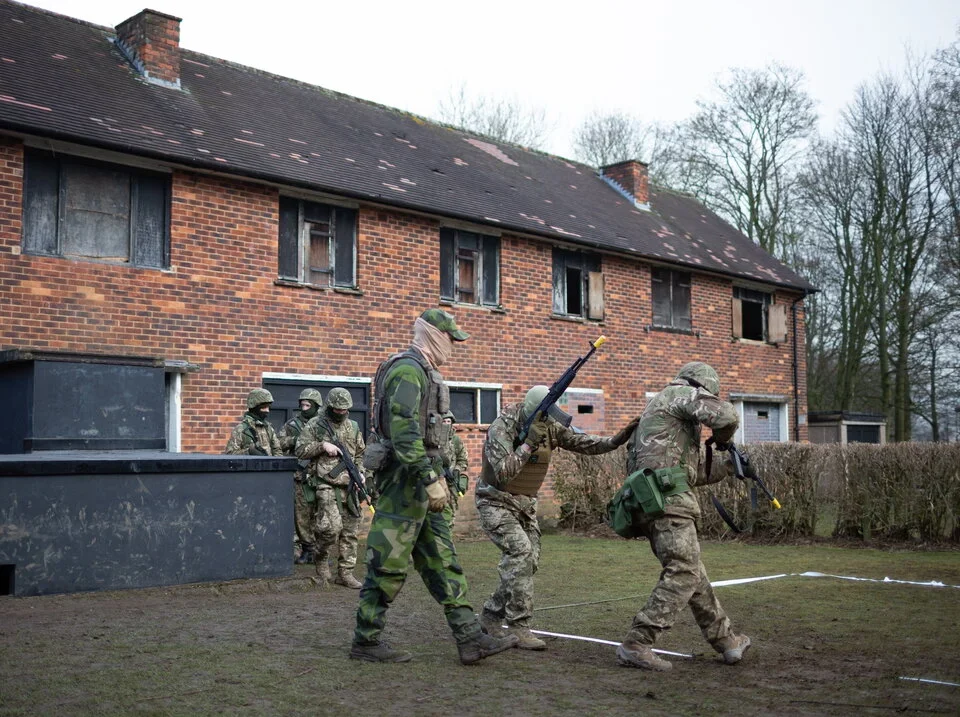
507	507
455	466
304	511
669	435
254	435
337	509
411	398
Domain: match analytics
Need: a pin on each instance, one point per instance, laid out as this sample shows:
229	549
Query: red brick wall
219	307
155	40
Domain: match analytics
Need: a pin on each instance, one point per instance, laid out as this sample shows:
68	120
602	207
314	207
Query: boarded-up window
777	323
577	284
317	243
670	293
92	210
469	267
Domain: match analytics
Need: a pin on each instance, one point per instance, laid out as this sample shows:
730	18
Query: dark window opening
863	434
469	267
585	409
577	284
750	313
84	209
7	575
474	405
763	414
317	243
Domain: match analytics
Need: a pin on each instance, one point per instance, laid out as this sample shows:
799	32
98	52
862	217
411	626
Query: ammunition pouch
644	492
377	455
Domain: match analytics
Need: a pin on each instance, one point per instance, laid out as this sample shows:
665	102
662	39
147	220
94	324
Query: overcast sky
653	60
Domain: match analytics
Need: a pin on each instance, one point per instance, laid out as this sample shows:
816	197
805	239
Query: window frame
674	280
46	218
297	218
479	390
772	316
455	246
589	265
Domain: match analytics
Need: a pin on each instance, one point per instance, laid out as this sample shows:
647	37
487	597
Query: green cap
445	322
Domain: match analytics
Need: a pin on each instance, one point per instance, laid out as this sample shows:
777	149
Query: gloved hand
623	435
537	434
437	496
256	450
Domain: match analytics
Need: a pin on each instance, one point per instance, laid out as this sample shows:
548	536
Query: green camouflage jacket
290	432
501	460
404	387
669	431
330	469
253	433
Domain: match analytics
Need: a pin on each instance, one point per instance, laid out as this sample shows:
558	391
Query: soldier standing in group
254	436
454	469
667	440
337	505
506	496
304	511
411	399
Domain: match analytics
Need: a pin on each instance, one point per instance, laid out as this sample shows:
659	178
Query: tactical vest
434	403
531	476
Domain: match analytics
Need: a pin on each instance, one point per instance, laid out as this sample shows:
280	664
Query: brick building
239	229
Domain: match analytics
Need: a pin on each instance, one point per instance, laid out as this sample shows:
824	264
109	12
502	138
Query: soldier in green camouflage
411	398
337	506
506	498
668	436
254	436
455	463
304	511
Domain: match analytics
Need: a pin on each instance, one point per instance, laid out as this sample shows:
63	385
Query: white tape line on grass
931	682
602	642
929	583
741	581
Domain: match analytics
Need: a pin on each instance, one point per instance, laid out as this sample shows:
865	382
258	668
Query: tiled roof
64	78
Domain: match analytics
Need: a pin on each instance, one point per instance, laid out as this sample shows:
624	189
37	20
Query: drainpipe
796	370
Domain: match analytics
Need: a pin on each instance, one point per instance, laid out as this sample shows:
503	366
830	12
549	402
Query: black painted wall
83	521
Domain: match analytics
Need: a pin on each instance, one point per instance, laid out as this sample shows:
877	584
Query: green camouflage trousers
336	525
304	517
683	580
402	527
515	530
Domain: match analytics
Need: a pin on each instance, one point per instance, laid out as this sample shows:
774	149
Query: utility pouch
463	482
643	491
437	432
309	493
671	480
377	455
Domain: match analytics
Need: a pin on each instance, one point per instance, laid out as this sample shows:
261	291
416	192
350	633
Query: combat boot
636	654
348	580
526	640
323	568
491	624
483	645
733	648
305	558
378	652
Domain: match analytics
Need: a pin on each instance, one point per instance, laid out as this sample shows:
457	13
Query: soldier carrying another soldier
337	506
411	399
666	448
506	496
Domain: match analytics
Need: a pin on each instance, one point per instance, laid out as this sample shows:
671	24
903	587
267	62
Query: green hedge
899	491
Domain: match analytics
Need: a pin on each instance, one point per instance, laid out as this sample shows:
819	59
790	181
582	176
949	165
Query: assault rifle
356	478
556	391
743	470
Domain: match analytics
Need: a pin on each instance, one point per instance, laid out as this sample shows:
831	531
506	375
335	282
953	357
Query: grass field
821	645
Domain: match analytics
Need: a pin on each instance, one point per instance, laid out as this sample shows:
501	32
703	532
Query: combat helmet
257	397
701	374
339	398
311	394
535	397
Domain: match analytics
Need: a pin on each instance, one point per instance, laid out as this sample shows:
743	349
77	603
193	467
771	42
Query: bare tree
604	139
745	149
505	120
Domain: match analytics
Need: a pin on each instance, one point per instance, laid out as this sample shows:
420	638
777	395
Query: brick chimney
631	179
151	41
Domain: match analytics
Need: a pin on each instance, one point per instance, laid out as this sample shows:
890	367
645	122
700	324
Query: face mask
311	412
335	417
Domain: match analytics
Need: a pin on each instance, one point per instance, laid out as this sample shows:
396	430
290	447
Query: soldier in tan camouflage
668	437
455	463
254	436
506	496
304	511
337	506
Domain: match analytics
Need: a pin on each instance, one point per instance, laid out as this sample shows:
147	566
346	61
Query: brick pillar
151	41
632	177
